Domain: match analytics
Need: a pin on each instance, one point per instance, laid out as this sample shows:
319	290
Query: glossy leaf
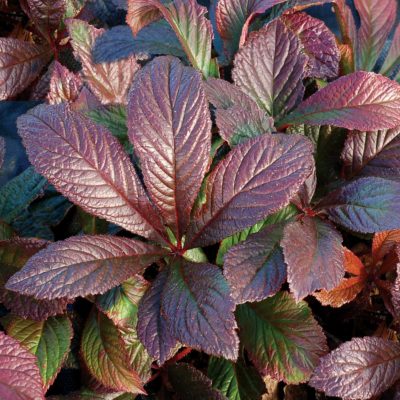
19	373
359	369
191	384
254	175
377	20
233	19
236	381
119	42
270	68
362	100
170	126
281	337
48	340
95	174
255	268
152	327
348	288
64	85
83	265
187	19
47	14
20	64
366	205
314	256
372	153
383	243
392	60
319	44
104	355
110	82
198	308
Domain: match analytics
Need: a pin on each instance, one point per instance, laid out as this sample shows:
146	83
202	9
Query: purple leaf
259	176
87	165
367	205
110	82
2	150
362	100
20	64
377	20
65	86
152	327
319	44
233	19
199	309
314	256
19	373
372	153
255	268
170	127
83	265
306	192
360	369
270	68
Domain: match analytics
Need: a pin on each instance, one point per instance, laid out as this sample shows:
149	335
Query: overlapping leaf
349	288
19	373
47	14
83	265
255	268
64	85
362	100
359	369
88	165
254	175
110	82
383	243
377	20
392	60
198	308
281	337
366	205
48	340
372	153
270	68
187	19
170	126
314	256
105	357
20	64
319	44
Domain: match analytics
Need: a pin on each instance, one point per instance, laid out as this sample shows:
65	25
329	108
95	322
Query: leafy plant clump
212	209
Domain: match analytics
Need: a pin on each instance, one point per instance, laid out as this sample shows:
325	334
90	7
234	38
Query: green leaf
236	381
17	194
283	215
281	337
48	340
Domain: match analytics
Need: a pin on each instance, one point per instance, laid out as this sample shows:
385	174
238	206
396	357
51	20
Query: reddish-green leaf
64	85
270	68
360	369
105	356
383	243
367	205
314	256
377	20
48	340
152	327
88	165
362	100
198	308
20	64
281	337
392	60
372	153
110	82
19	373
187	19
319	44
255	268
259	176
170	127
83	265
